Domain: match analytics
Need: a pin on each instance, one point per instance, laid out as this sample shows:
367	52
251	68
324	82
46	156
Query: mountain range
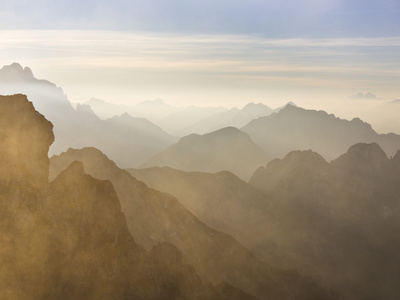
294	128
183	121
270	204
127	140
153	217
336	222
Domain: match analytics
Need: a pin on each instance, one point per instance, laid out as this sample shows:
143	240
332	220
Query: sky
318	54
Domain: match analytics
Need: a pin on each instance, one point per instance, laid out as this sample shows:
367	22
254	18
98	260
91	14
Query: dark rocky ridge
349	209
336	222
154	217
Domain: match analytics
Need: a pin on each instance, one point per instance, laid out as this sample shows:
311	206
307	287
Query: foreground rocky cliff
69	239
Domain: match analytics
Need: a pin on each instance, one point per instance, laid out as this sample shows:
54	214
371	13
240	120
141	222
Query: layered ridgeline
129	141
233	117
336	222
225	149
172	119
294	128
68	239
154	217
184	120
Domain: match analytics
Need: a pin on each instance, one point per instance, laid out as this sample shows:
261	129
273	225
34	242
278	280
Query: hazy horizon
318	55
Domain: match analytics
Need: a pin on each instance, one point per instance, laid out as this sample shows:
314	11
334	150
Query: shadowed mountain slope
155	217
349	209
294	128
336	222
225	149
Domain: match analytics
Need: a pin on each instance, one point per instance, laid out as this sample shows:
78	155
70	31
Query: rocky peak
362	153
297	169
25	140
16	71
366	160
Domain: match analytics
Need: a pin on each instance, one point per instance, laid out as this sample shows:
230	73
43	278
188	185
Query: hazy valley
151	201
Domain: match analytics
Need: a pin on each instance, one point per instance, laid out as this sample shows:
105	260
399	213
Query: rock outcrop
25	138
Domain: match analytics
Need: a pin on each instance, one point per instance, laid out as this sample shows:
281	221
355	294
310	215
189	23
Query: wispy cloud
235	60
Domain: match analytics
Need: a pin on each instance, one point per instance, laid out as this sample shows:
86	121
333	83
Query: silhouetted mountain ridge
154	217
337	222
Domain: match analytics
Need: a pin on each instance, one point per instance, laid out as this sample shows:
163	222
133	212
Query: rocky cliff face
68	239
25	137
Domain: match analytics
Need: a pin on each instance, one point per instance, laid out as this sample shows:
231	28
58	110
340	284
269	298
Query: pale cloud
153	65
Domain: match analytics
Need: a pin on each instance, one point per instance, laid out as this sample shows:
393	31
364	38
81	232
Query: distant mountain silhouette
154	217
154	110
183	121
232	118
177	121
294	128
127	140
225	149
69	239
172	119
336	222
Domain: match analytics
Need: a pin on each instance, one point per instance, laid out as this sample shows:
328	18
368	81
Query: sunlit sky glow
208	52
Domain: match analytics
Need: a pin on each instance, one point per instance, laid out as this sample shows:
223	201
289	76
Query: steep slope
133	141
225	149
155	217
295	128
68	239
221	200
